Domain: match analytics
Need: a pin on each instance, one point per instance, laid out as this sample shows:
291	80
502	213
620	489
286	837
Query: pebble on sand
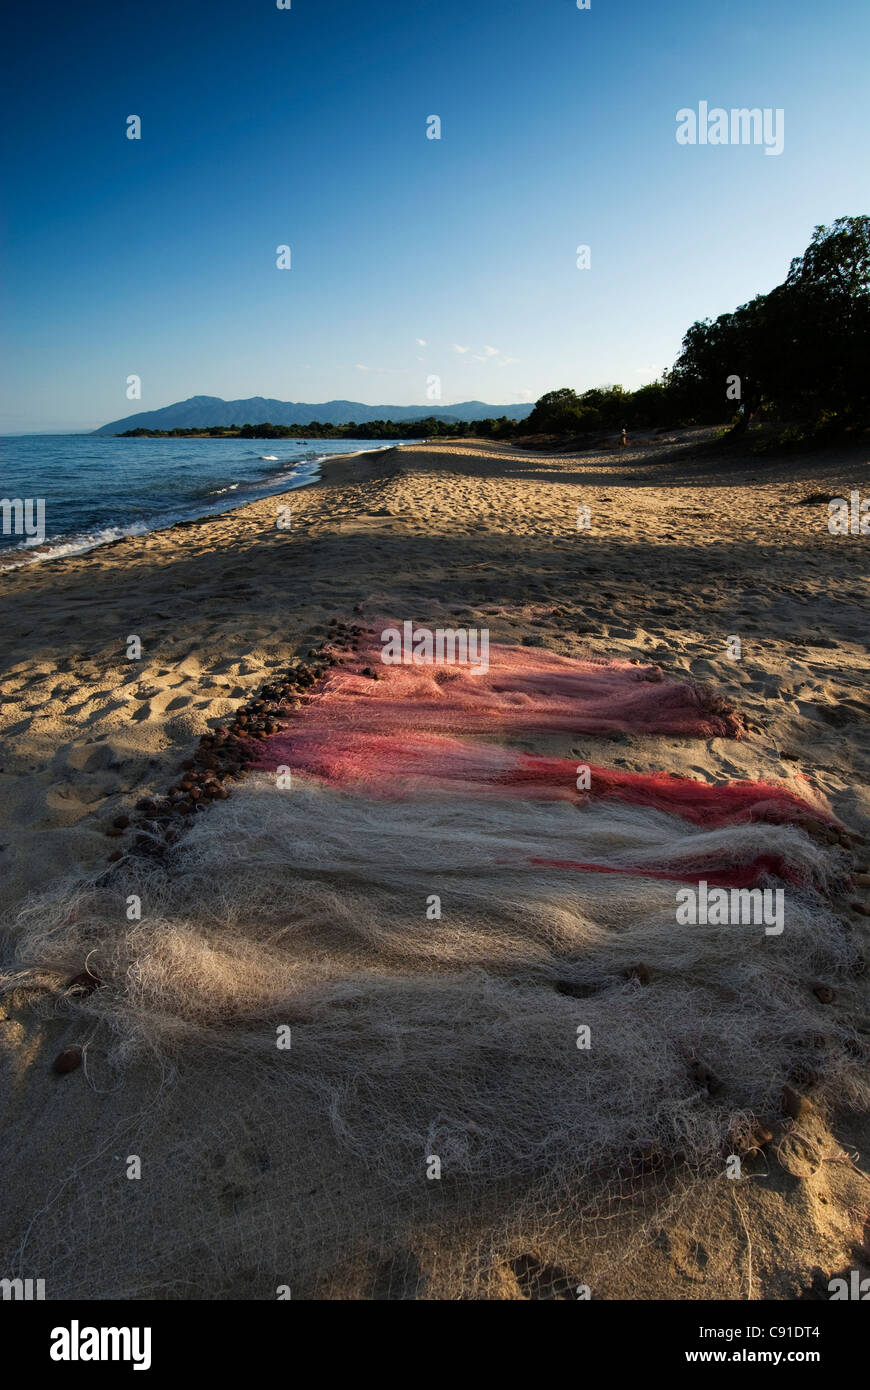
68	1060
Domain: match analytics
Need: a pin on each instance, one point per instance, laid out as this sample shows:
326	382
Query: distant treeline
798	356
373	429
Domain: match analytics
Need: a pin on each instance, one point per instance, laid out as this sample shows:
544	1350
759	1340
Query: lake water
93	489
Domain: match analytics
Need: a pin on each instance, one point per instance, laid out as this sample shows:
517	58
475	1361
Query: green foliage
801	354
801	351
427	428
557	412
606	408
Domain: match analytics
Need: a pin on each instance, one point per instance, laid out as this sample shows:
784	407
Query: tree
557	412
836	262
801	350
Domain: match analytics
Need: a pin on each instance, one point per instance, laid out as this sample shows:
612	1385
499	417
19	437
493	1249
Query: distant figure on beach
623	442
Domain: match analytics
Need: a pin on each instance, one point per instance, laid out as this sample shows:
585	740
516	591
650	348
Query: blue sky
307	127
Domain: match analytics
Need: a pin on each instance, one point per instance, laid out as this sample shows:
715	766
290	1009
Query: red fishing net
393	766
523	690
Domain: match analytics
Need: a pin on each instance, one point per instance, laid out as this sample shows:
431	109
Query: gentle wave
72	545
30	552
112	489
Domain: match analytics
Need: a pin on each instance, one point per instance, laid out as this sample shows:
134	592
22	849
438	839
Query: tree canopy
799	354
801	351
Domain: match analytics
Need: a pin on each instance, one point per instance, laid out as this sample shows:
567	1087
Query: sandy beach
684	550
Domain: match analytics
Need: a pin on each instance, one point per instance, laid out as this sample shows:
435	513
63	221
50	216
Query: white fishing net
433	1130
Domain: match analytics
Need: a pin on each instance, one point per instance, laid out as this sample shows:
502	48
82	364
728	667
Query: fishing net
409	765
435	1045
521	690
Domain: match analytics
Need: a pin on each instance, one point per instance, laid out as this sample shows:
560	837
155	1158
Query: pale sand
681	555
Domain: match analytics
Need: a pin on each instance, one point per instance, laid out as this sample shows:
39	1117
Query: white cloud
457	348
491	351
390	371
508	361
421	342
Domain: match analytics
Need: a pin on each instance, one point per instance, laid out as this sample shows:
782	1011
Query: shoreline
681	554
229	595
64	547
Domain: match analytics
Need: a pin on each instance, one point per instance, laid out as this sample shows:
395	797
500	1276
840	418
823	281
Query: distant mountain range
202	411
